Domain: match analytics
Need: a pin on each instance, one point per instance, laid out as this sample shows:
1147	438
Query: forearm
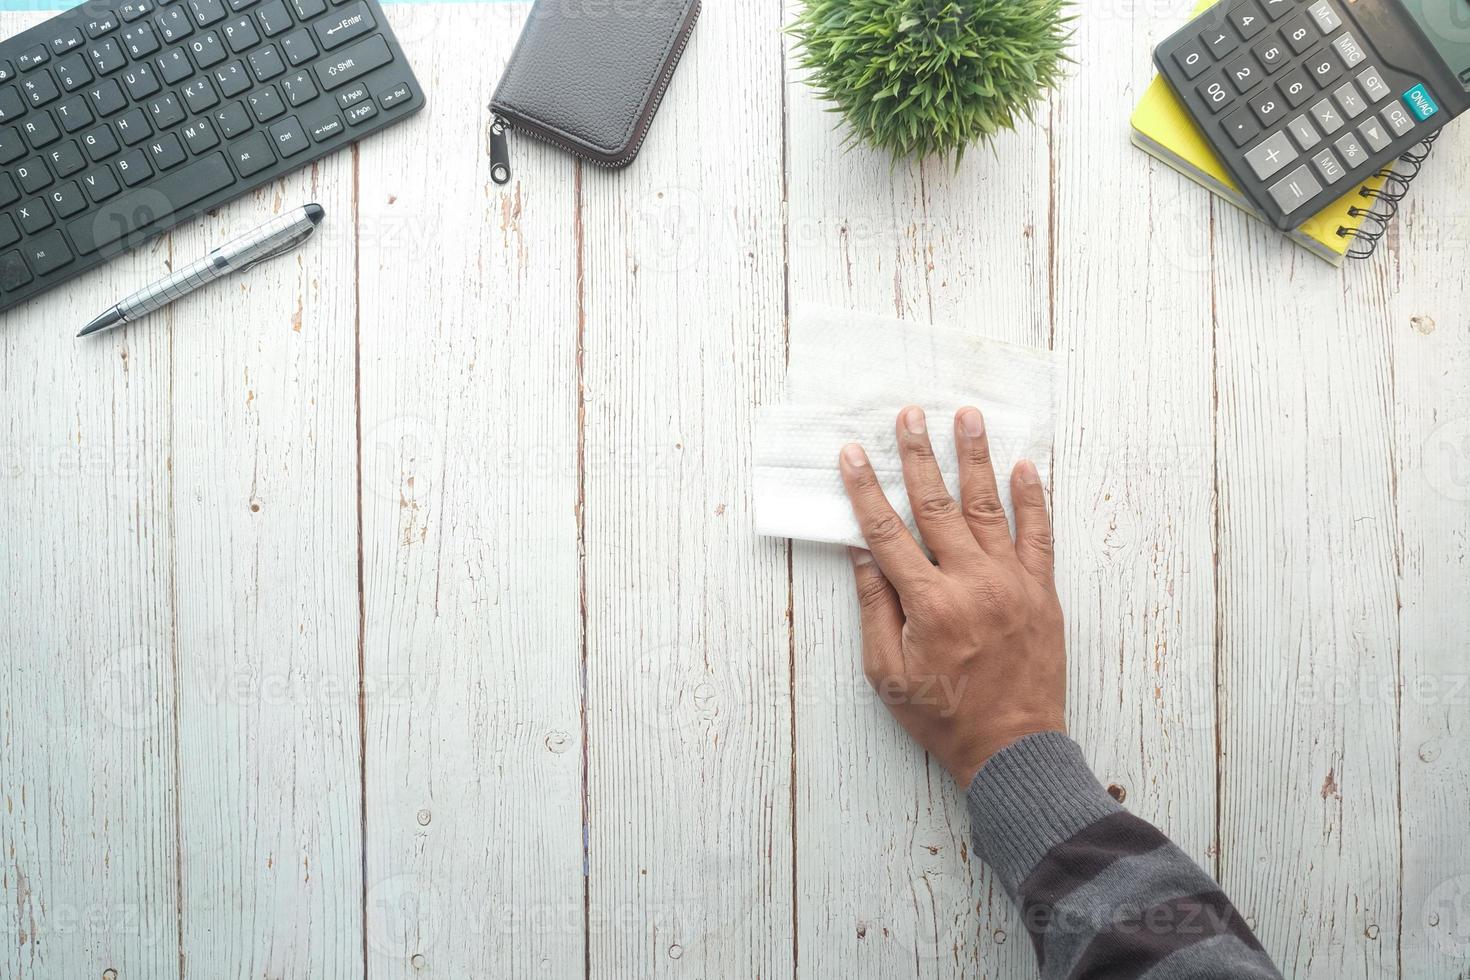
1102	893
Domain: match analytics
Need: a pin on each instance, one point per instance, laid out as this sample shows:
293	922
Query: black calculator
1303	100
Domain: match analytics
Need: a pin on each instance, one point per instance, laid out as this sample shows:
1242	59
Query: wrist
987	745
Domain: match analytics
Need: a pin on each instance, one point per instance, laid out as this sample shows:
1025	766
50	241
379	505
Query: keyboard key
1268	107
32	58
233	120
174	25
13	271
299	89
106	97
1220	40
100	25
1295	189
199	96
349	97
9	233
1348	49
166	152
40	130
140	40
12	146
307	9
11	104
289	137
66	40
34	216
1276	9
67	200
1324	68
345	25
1329	167
1243	72
47	253
1192	58
100	143
266	63
265	104
1271	53
1350	101
100	184
33	175
1296	87
1241	125
39	88
74	114
252	154
165	111
208	50
132	127
1212	90
207	12
396	93
174	66
325	129
133	167
1351	150
1396	116
1327	118
124	216
1375	134
7	71
1273	153
240	34
1303	132
1325	17
1248	19
200	136
72	71
273	18
1373	85
66	159
1420	102
106	56
233	79
1299	33
131	10
361	113
141	82
239	5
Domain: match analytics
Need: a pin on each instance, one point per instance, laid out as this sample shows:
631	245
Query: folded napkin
847	377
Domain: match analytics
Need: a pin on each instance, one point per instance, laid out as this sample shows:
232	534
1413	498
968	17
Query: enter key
346	24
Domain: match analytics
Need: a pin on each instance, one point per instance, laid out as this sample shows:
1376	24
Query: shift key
352	63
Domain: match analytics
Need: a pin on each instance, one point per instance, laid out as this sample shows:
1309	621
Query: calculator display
1446	23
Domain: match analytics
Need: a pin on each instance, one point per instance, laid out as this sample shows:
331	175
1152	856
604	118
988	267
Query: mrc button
1420	102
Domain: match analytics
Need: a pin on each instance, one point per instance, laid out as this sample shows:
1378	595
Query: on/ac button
1420	102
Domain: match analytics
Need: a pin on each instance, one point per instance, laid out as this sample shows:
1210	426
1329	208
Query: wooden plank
87	676
469	509
1308	620
265	489
688	662
1430	350
883	881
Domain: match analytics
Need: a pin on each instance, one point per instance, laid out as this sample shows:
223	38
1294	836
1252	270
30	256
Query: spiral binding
1397	177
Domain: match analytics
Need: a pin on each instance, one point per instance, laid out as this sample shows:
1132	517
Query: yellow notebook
1163	129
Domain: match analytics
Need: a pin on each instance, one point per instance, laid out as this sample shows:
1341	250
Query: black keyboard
120	120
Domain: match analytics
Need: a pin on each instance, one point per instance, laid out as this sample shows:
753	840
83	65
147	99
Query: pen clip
286	246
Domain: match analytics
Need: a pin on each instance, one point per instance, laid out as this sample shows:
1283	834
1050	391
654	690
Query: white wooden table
395	610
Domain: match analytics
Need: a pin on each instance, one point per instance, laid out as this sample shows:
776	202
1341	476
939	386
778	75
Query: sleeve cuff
1028	798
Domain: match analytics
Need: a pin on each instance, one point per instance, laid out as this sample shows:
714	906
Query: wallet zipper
500	124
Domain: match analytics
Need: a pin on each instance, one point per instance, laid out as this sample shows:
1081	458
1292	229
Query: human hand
969	654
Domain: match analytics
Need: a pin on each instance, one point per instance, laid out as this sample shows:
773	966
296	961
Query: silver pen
275	237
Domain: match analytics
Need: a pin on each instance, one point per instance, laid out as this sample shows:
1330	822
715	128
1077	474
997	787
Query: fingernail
1026	471
972	423
913	420
860	556
853	455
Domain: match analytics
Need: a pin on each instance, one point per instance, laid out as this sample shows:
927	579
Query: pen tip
109	319
315	213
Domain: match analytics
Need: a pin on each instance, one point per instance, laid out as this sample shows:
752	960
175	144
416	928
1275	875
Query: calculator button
1305	134
1299	33
1219	40
1326	18
1248	19
1271	155
1243	71
1214	92
1191	58
1352	103
1268	107
1373	84
1295	189
1324	67
1271	53
1352	151
1327	118
1398	119
1296	87
1276	8
1352	53
1241	125
1420	102
1329	167
1374	134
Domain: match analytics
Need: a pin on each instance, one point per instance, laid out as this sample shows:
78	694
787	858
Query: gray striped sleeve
1216	958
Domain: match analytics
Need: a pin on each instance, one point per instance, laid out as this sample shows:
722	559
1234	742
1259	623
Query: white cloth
849	374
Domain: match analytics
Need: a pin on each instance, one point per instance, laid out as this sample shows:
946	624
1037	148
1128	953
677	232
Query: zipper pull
499	151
